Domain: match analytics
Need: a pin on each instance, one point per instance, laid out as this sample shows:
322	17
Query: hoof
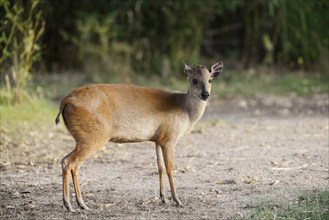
178	203
83	206
70	209
164	201
68	206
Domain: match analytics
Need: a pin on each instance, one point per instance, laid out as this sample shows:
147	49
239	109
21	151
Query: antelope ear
216	69
187	70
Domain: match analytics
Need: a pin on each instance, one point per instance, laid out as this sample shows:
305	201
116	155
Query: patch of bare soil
241	152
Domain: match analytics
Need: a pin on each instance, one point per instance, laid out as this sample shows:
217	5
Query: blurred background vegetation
48	47
108	40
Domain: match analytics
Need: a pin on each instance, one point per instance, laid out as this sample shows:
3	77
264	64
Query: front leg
168	157
161	172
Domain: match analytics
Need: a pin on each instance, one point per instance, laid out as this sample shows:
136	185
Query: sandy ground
241	152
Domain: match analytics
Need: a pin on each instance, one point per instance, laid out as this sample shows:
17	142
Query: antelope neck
195	106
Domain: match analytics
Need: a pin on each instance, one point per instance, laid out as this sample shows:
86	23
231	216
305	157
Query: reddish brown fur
98	113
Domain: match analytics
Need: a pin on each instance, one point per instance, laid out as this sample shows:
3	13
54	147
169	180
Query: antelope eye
194	81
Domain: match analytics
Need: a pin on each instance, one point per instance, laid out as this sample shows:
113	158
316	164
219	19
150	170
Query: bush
21	30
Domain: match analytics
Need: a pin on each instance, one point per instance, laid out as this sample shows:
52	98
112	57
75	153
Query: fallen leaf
274	163
250	180
275	183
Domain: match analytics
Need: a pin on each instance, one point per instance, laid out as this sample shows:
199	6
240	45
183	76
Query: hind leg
71	164
75	178
66	186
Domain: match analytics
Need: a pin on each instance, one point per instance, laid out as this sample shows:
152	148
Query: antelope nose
204	95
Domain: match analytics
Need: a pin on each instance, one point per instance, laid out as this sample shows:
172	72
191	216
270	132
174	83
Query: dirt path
240	153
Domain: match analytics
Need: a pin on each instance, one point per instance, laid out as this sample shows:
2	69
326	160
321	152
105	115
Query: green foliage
303	33
144	36
310	205
292	33
155	37
124	38
21	29
244	84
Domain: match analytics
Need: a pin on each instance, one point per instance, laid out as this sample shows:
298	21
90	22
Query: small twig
289	168
214	164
